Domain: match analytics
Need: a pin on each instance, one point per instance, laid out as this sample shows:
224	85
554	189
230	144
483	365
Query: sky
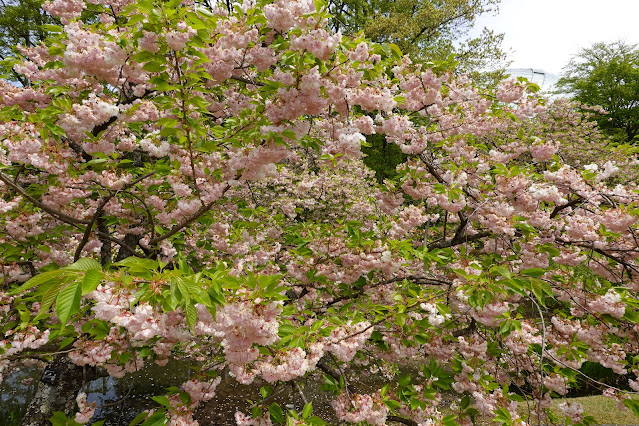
544	34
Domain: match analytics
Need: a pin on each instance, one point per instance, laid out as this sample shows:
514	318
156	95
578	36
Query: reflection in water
118	401
15	392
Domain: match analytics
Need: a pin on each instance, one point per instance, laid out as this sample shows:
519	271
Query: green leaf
465	402
397	52
197	292
191	314
38	280
52	28
501	271
162	400
386	48
48	299
633	405
138	264
68	302
450	420
320	5
533	272
56	130
308	409
503	416
317	325
256	412
316	421
85	264
185	397
59	419
91	280
157	419
138	419
66	342
265	391
154	66
145	352
537	292
404	380
94	162
392	404
276	413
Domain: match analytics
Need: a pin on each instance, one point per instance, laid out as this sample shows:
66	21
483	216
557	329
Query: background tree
607	75
21	24
434	31
429	30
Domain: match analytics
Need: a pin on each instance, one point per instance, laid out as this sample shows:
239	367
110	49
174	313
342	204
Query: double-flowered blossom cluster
191	182
86	411
361	408
574	410
239	326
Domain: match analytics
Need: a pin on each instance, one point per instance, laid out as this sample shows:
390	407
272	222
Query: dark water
118	401
15	391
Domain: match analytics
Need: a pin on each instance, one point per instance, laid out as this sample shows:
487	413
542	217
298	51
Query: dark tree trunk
105	250
131	240
631	132
58	396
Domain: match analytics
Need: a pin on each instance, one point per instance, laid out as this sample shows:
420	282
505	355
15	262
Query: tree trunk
57	393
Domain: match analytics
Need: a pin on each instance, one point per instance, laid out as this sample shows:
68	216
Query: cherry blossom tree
176	181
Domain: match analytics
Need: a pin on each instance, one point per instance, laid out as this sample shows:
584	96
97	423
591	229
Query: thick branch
415	279
247	81
459	233
102	127
180	226
119	242
57	214
328	370
466	331
432	170
458	240
570	203
98	211
402	420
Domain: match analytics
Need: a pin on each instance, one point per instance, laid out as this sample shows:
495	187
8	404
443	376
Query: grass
604	410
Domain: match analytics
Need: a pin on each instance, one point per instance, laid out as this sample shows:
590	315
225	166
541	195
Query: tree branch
180	226
247	81
402	420
57	214
570	203
458	240
98	211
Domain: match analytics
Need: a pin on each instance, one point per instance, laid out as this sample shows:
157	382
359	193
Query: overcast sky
544	34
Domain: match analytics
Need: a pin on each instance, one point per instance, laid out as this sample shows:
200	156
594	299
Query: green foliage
607	75
600	374
382	156
428	30
21	24
12	413
60	419
63	288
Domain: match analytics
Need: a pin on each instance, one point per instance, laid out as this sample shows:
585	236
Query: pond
118	401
